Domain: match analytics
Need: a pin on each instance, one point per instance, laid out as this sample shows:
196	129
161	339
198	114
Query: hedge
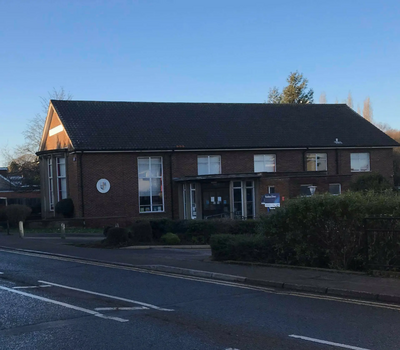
319	231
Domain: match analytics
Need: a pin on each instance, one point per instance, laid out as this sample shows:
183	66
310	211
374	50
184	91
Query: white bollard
62	230
21	229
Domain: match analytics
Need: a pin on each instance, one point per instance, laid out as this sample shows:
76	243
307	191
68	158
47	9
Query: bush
371	182
117	236
141	232
16	213
65	207
170	239
242	248
105	230
325	230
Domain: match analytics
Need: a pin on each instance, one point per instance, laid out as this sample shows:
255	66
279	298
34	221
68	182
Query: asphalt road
53	303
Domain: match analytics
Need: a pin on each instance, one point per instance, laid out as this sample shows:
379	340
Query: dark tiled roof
147	125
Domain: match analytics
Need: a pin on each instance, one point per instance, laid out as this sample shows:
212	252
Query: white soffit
56	130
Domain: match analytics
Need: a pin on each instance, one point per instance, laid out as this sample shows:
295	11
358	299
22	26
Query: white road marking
69	306
121	308
32	287
67	258
1	273
108	296
327	342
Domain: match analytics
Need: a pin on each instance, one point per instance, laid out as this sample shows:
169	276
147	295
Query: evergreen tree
296	92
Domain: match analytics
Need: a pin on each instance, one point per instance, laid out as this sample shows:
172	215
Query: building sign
271	200
103	185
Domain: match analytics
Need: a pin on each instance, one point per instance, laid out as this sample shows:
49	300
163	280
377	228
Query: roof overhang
207	178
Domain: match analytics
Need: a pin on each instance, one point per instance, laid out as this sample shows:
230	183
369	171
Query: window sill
150	212
360	171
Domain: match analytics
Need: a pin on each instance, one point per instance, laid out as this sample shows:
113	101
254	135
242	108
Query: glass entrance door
216	201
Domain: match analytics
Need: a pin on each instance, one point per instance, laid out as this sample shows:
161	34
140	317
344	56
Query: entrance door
216	200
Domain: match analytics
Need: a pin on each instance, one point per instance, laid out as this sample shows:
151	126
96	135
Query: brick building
200	160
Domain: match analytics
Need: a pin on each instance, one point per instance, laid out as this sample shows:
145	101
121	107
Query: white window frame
150	190
209	164
193	208
353	170
243	198
184	201
51	183
264	169
340	189
269	189
316	160
60	177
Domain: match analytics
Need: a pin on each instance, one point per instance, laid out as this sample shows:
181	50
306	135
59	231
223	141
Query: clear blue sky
195	51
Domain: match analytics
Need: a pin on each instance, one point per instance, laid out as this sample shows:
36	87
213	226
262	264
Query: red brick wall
121	170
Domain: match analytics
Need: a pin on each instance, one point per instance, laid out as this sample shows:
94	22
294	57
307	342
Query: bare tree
22	159
349	101
367	110
322	98
34	129
358	109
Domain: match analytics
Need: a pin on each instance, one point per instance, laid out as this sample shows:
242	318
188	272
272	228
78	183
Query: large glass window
50	178
243	199
359	162
151	196
207	165
264	163
61	179
237	199
316	161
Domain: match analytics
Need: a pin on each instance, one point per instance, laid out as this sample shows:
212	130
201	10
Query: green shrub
16	213
241	247
162	226
370	182
141	232
325	230
170	239
106	229
65	207
117	236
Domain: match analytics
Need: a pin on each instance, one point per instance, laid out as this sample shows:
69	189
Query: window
50	177
271	189
335	189
61	179
316	161
243	199
207	165
305	190
151	196
264	163
250	199
184	201
359	162
193	211
237	199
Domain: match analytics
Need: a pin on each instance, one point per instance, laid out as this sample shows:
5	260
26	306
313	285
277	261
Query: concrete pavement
197	262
